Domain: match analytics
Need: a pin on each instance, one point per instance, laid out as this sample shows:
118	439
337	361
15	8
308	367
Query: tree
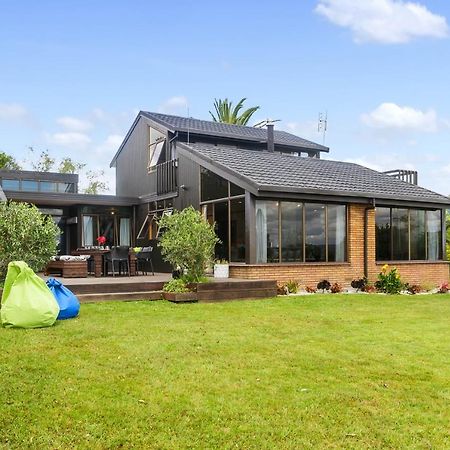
68	165
225	112
8	162
45	163
26	235
188	242
96	184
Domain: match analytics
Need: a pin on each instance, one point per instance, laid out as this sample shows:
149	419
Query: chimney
270	138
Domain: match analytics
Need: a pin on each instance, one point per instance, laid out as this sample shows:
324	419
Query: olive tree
26	235
188	242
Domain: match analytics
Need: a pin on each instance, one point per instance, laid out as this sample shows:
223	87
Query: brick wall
310	274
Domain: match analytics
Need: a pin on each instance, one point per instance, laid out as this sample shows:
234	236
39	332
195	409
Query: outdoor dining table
97	256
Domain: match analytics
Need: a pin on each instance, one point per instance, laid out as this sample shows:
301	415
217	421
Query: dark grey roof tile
280	172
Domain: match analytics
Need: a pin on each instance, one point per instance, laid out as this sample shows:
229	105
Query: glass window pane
106	229
48	186
156	150
417	233
89	231
267	246
221	219
383	234
10	185
337	232
434	235
315	232
237	224
66	187
291	232
236	190
400	234
30	185
212	186
125	231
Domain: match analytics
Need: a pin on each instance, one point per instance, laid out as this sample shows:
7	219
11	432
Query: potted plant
177	291
221	269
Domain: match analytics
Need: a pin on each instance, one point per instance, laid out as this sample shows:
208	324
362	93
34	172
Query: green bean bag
27	302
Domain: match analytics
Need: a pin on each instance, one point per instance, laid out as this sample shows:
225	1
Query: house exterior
81	217
281	212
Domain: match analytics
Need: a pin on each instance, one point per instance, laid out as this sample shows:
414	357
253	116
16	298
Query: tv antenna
266	122
322	125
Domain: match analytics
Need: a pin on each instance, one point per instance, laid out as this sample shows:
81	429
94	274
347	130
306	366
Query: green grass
360	371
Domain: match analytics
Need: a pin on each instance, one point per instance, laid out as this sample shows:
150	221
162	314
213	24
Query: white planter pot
221	271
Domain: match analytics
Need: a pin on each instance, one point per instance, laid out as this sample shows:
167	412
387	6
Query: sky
74	74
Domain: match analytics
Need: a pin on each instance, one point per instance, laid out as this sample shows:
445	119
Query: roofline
366	195
67	199
153	120
317	147
37	175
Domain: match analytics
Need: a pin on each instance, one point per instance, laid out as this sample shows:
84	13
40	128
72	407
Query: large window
223	203
297	232
291	231
156	147
408	234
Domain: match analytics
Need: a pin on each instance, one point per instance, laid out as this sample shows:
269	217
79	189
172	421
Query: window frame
391	235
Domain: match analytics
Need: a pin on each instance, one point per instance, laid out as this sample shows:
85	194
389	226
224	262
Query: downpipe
366	236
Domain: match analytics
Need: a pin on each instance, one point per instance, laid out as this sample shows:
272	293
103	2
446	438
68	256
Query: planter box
221	271
180	297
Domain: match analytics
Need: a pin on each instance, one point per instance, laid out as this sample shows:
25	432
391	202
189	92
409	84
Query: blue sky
74	74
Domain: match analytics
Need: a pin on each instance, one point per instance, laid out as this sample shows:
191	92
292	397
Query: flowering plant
389	281
101	240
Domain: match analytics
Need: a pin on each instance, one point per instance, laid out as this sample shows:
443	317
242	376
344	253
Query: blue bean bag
68	303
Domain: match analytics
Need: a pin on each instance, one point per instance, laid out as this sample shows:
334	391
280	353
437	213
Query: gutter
366	235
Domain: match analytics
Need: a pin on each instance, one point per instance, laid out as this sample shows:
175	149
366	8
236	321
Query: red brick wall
309	274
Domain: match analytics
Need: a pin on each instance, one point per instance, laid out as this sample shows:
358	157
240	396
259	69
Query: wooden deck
149	287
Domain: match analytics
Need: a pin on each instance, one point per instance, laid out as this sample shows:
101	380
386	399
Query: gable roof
264	171
222	130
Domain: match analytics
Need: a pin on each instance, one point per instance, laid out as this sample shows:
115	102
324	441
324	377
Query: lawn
360	371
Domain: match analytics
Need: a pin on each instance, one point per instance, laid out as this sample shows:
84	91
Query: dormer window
156	148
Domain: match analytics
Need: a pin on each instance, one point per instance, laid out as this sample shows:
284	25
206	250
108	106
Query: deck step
105	287
120	296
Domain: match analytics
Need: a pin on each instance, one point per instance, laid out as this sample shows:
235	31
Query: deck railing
166	177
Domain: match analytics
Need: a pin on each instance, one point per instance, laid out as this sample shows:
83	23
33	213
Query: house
81	217
281	212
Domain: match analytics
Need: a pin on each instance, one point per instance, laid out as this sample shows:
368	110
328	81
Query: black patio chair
117	257
144	259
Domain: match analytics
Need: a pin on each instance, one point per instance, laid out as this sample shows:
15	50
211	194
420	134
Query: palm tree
225	112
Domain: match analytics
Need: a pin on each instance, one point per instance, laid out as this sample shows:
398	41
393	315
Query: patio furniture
117	257
68	269
97	257
143	260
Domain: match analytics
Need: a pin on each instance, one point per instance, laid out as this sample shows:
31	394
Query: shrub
188	242
359	284
26	235
176	285
336	288
282	289
443	288
292	286
413	288
324	285
310	290
389	281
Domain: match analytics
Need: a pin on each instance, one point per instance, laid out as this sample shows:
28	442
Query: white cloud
306	130
384	21
74	124
174	105
12	111
110	145
394	117
70	139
